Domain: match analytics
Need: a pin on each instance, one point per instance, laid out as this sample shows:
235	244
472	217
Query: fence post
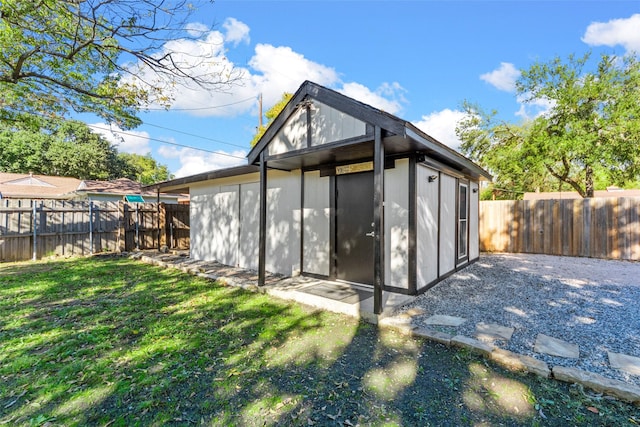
90	227
34	223
171	234
137	229
162	225
122	235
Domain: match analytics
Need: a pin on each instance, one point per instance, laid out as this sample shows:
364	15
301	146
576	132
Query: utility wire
194	135
163	141
202	108
166	142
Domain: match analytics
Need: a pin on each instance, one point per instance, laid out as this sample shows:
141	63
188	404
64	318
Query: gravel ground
589	302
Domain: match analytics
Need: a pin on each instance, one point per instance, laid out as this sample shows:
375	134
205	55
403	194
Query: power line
166	142
194	135
161	140
202	108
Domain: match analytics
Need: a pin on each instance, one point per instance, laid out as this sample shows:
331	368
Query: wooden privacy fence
31	229
599	228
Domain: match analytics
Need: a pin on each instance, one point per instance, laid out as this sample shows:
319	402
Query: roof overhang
400	138
446	155
181	185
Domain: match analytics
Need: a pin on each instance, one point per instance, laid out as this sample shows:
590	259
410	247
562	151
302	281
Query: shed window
463	221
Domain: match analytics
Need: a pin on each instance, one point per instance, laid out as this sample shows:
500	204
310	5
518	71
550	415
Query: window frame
462	226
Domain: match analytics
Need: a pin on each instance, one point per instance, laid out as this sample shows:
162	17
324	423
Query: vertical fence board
63	227
600	228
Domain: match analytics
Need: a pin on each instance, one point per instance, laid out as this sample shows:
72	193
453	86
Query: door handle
372	234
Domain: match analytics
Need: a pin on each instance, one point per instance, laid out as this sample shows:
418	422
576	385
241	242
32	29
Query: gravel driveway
589	302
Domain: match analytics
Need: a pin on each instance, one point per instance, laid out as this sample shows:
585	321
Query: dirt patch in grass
114	342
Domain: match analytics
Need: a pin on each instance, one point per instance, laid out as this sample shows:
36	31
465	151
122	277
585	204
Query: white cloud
196	29
388	97
624	32
130	141
202	57
236	31
442	126
271	71
280	69
503	78
195	161
533	108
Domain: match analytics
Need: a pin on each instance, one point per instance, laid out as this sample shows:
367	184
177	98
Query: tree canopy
589	136
108	57
70	148
143	169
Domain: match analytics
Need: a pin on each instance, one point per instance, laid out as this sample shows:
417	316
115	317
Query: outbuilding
339	190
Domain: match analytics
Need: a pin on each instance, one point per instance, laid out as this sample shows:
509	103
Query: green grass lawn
109	341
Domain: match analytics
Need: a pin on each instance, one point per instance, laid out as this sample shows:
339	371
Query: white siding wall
214	216
327	125
249	242
215	219
448	223
200	221
225	221
316	224
330	125
292	136
474	238
283	222
396	225
427	226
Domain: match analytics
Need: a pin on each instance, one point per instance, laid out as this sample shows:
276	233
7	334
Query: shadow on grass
113	342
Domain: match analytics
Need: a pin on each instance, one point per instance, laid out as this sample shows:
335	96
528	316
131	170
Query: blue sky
416	59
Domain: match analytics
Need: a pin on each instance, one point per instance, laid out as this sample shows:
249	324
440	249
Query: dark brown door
354	227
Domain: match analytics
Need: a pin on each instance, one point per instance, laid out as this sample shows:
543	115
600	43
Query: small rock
520	362
432	335
472	345
556	347
619	389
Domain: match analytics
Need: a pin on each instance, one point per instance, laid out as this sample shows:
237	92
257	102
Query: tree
89	56
76	151
271	114
588	138
70	148
143	169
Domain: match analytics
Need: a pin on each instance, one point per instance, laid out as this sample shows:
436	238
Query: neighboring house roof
609	192
121	187
29	186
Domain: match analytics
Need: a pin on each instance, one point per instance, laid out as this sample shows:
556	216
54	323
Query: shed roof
120	186
400	136
181	185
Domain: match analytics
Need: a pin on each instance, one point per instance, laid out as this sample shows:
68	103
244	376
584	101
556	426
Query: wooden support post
158	223
262	257
34	223
91	227
413	227
123	216
162	225
378	220
137	227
